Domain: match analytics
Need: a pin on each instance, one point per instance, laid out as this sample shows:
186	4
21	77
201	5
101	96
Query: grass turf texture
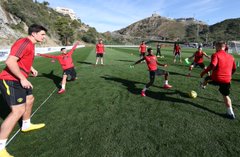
103	115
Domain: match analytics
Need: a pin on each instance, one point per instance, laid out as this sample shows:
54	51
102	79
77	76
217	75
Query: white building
67	11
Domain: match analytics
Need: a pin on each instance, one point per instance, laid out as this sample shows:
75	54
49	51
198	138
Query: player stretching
99	51
177	53
15	87
66	61
151	61
222	66
198	60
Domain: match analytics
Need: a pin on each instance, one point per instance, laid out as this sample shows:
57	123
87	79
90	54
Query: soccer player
142	49
177	53
152	63
100	50
222	66
15	87
198	60
66	62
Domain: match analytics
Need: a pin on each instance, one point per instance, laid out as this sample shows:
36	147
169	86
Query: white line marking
32	115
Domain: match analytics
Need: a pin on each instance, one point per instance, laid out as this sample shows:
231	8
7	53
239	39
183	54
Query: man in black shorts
198	60
15	87
66	62
222	66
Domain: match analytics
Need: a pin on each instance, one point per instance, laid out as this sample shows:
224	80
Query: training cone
186	61
237	64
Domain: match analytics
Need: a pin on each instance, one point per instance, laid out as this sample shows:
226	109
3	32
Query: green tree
65	31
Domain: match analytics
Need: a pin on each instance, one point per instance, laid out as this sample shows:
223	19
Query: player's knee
19	110
30	99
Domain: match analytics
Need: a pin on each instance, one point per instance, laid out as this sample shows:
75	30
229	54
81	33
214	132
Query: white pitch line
32	115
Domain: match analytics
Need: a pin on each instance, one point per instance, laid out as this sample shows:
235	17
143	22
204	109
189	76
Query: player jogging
198	60
142	50
66	62
152	63
15	87
100	50
222	66
177	53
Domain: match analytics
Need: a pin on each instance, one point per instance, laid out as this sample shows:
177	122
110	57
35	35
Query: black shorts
224	88
142	55
157	72
13	92
71	73
201	65
99	55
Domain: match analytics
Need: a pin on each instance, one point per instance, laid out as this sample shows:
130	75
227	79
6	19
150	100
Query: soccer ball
192	94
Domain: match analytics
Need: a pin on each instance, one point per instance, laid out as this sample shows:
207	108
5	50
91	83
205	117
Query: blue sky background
111	15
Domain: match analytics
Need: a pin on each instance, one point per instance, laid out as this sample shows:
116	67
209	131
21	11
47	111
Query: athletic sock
3	144
230	111
63	86
26	124
144	89
166	81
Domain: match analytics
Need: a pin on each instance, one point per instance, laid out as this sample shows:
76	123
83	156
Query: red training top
100	48
177	48
64	59
223	67
142	48
24	50
198	57
151	61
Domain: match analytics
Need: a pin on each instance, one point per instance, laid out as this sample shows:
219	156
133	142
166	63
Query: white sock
230	110
3	144
166	81
63	86
26	124
144	89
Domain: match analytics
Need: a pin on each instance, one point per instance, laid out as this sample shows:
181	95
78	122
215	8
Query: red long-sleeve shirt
65	60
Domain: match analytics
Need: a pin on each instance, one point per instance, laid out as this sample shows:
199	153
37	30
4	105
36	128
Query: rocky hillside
17	15
7	34
157	27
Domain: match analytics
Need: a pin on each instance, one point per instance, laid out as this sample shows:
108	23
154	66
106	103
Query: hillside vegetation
162	28
61	27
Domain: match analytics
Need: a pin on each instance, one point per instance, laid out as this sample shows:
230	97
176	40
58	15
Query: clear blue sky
111	15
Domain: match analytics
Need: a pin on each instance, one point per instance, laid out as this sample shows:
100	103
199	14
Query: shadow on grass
162	96
56	79
121	60
88	63
185	75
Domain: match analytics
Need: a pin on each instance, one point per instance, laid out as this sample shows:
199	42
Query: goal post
234	47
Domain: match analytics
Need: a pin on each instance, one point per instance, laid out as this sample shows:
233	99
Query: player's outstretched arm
205	54
46	55
164	65
74	47
192	56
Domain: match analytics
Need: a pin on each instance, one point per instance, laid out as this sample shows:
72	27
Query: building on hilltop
67	11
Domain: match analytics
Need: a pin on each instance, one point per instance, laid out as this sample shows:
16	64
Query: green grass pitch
102	114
